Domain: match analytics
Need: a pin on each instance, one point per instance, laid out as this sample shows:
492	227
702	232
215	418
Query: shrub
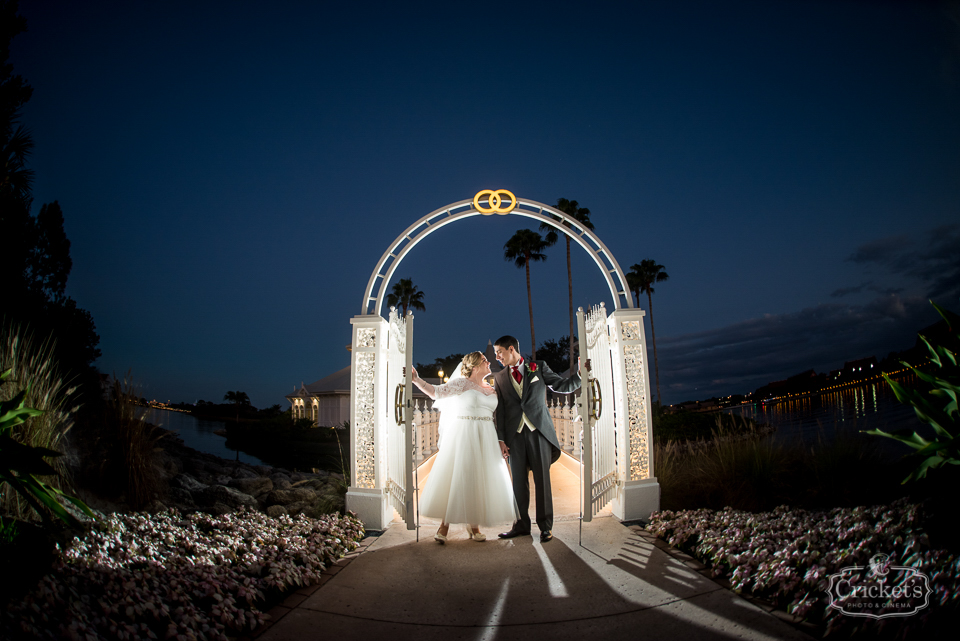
165	575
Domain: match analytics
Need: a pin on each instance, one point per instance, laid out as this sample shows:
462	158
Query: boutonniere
533	367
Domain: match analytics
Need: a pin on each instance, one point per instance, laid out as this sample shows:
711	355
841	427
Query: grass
741	466
133	444
35	369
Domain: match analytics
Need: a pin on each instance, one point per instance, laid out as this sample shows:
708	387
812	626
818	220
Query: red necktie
516	374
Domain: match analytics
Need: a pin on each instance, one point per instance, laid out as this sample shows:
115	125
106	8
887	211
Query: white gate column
368	381
639	494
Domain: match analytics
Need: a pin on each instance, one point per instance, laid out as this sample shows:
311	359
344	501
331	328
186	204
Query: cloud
741	357
933	263
846	291
884	251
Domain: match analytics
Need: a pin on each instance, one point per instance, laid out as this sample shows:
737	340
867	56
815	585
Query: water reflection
199	434
872	405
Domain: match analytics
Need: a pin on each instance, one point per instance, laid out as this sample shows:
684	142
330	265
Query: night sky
231	172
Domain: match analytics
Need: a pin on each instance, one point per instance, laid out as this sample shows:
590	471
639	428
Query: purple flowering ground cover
165	575
788	555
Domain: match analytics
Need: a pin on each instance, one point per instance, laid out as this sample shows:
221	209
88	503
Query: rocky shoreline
201	482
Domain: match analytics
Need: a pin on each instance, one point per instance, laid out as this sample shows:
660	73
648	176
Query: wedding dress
469	482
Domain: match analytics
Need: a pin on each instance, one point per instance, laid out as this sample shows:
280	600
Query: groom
528	439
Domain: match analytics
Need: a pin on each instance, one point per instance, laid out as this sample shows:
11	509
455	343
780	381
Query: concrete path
619	584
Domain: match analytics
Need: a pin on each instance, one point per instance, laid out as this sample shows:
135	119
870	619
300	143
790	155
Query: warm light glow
494	202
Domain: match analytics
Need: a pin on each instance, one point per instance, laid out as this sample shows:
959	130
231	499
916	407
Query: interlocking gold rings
398	404
597	398
494	202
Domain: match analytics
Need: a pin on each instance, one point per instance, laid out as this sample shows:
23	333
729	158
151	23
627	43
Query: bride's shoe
480	537
440	538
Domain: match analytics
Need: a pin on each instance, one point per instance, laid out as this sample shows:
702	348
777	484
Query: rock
263	470
219	509
181	497
223	479
293	495
280	477
226	495
155	506
252	486
313	484
187	482
276	510
245	473
296	508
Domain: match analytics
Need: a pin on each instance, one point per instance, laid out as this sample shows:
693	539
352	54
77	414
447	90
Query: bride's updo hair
470	362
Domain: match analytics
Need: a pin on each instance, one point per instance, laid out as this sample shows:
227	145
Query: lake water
199	434
869	406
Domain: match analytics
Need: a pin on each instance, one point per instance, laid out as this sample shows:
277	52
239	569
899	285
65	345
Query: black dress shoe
512	533
546	536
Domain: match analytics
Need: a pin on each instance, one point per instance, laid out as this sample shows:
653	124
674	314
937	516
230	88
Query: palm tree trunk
570	292
653	333
533	336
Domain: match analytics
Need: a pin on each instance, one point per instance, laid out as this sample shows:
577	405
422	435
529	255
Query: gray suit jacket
511	408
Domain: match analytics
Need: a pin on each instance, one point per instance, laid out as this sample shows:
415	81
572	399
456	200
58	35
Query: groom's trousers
530	451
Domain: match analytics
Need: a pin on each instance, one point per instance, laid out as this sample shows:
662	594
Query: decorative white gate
601	476
619	440
381	418
399	417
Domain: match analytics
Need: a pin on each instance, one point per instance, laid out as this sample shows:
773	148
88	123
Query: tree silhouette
405	294
238	399
524	246
35	261
640	280
582	215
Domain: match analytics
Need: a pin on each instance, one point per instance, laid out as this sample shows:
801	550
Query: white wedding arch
617	459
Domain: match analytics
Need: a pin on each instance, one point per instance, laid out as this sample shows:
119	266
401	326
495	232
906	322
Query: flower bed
170	576
788	555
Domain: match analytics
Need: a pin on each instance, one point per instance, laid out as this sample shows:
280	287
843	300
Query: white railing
427	431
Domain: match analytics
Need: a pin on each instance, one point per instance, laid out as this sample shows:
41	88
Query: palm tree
524	246
405	294
238	399
582	215
640	280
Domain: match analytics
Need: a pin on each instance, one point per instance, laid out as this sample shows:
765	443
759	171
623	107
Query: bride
469	482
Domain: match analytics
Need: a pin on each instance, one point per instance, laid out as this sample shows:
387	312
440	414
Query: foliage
640	280
168	575
35	259
556	353
582	215
34	369
787	556
20	464
936	407
445	364
239	399
524	247
742	466
131	446
406	295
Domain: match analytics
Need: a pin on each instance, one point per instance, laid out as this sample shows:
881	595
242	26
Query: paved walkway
621	583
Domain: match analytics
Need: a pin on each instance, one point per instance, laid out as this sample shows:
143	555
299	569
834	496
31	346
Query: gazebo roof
338	382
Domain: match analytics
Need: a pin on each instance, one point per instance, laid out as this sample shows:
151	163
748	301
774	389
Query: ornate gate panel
600	470
399	418
381	445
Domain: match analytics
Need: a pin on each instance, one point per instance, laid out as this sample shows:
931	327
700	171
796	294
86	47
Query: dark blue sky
231	172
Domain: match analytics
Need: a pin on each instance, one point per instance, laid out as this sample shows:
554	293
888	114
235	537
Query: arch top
490	202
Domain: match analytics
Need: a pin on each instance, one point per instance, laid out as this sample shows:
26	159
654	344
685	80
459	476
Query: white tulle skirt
469	482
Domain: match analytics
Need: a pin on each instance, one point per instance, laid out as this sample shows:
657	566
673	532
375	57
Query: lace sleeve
453	388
